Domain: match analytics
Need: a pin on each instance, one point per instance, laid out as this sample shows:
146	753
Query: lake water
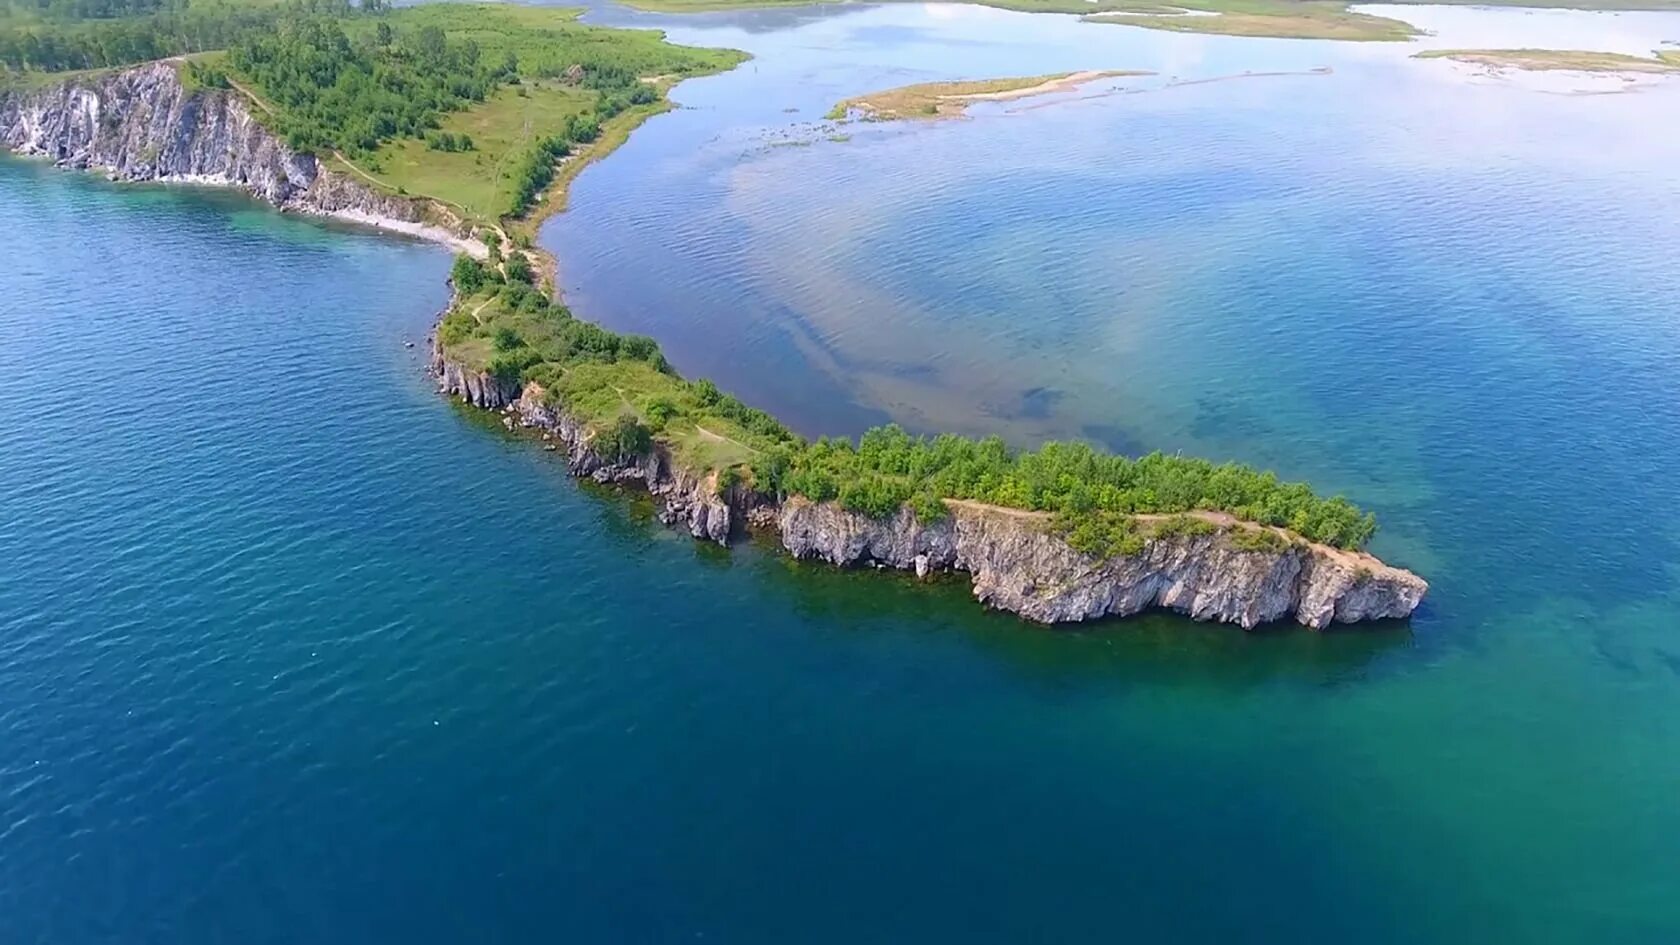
293	650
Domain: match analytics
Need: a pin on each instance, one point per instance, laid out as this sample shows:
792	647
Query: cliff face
1015	561
1018	564
685	500
141	124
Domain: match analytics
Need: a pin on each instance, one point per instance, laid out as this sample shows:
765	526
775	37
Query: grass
933	100
31	80
503	129
480	183
1542	60
597	389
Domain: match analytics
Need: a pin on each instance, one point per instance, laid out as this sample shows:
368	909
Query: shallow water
290	649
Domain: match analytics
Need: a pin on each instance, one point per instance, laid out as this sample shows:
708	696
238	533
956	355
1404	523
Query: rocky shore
1014	559
143	124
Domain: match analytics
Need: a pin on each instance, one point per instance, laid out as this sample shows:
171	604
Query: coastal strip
1206	566
1060	535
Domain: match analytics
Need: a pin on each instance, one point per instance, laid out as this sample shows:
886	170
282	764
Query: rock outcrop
1017	563
1014	559
687	501
142	124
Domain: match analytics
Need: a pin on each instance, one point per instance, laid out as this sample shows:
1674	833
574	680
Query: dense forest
63	35
332	93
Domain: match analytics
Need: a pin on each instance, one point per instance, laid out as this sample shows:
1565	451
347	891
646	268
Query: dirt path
720	438
251	96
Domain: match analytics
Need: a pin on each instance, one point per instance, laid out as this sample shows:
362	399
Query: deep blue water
293	650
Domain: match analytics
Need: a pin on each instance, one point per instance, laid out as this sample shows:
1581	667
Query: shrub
469	275
1183	526
659	412
518	268
1258	540
728	478
625	439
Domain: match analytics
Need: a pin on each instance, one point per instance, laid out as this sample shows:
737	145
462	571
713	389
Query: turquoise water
293	650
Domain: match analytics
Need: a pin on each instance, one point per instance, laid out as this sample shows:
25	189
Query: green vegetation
75	35
1664	61
325	93
511	330
484	108
531	88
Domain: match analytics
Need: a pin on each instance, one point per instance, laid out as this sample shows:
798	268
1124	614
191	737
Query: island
460	123
934	100
1664	61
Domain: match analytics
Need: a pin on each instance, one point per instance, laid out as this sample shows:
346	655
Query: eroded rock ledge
1014	559
142	124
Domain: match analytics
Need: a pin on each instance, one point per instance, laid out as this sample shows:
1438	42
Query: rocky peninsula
144	123
1015	559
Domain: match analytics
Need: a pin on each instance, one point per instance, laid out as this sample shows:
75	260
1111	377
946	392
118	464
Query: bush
1183	526
659	412
728	478
518	269
626	439
469	275
1258	540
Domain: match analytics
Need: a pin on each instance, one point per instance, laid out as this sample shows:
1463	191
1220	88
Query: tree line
888	468
336	93
65	35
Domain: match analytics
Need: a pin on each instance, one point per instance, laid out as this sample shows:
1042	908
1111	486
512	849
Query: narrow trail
720	438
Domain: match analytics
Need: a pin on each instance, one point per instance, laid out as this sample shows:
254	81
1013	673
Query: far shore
1663	62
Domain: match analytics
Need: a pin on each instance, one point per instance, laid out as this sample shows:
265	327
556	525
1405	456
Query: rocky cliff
142	124
1017	563
685	500
1014	559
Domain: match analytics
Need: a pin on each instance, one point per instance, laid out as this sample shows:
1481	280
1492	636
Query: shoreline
1014	559
1204	566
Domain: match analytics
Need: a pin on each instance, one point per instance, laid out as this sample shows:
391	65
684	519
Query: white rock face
140	124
